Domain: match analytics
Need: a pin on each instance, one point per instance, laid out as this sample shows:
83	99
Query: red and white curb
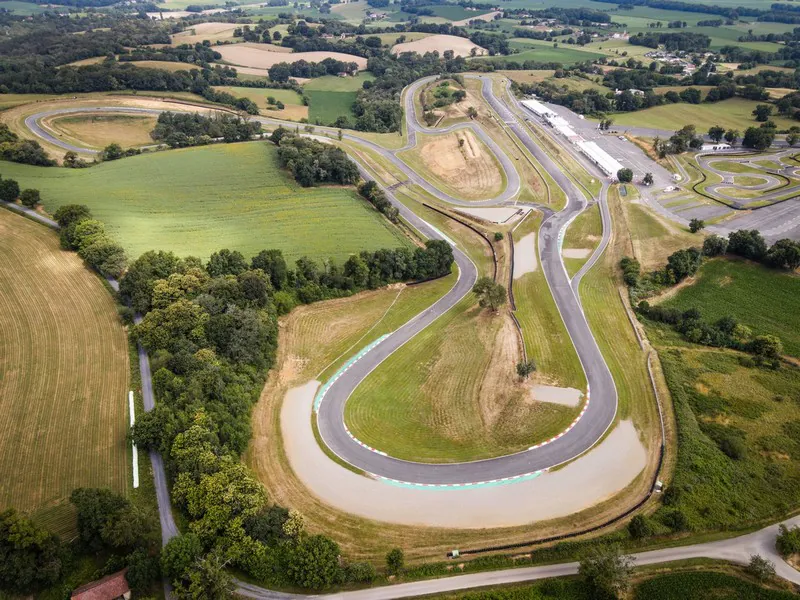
473	484
571	425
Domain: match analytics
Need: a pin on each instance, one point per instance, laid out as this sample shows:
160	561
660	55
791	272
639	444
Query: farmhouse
111	587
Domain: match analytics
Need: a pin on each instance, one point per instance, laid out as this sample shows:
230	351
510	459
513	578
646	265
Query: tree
625	175
179	554
696	225
128	527
112	152
732	136
716	133
762	112
784	254
640	528
490	294
761	568
226	262
206	579
792	138
749	244
788	541
314	563
276	35
525	368
294	527
648	179
606	572
758	138
472	112
31	558
9	190
395	561
715	245
30	197
766	346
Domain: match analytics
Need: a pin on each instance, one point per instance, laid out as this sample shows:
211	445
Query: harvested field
460	162
439	43
213	32
263	56
479	17
97	130
63	392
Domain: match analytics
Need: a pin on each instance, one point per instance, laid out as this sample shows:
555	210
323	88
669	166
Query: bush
395	561
361	572
640	528
715	245
30	198
761	568
9	190
676	520
788	541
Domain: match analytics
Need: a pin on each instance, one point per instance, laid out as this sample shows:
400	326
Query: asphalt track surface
735	549
773	178
601	406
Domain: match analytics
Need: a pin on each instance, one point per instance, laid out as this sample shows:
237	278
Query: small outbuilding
111	587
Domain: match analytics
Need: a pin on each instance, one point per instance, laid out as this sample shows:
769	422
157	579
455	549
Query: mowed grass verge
765	300
198	200
63	377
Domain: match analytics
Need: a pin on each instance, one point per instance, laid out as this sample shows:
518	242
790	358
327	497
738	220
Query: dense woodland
312	162
179	130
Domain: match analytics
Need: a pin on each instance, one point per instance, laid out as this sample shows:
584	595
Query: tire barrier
475	229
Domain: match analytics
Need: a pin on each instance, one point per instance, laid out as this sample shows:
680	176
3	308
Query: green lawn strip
716	397
413	159
546	339
644	223
606	313
738	288
405	409
733	166
198	200
740	193
324	107
585	230
747	180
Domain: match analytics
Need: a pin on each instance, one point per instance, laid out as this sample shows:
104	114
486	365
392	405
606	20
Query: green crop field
734	113
331	83
65	378
325	107
544	52
16	7
197	200
736	288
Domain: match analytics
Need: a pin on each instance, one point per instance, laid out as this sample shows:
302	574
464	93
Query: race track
601	405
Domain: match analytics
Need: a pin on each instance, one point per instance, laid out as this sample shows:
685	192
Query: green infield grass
195	201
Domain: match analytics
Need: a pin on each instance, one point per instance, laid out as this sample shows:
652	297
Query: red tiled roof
107	588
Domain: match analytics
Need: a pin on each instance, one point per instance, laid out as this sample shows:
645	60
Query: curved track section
601	402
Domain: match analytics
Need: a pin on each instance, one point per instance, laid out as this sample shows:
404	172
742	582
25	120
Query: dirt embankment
439	43
263	56
463	163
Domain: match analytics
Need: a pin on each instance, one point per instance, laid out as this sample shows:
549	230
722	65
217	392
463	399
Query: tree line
312	162
179	130
28	152
211	332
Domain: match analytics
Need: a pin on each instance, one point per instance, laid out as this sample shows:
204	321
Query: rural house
111	587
